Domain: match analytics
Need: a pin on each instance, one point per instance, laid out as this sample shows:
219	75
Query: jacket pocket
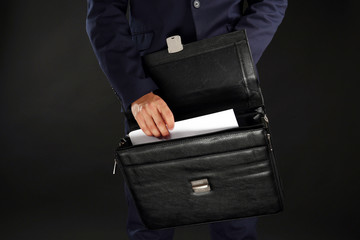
142	39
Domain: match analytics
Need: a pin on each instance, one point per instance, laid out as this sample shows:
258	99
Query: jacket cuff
136	90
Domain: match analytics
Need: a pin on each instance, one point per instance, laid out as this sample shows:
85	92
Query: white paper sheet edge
191	127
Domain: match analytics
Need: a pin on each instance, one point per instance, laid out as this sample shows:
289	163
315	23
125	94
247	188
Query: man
119	45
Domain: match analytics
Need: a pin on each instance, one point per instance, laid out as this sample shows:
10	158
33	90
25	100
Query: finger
167	115
151	124
153	110
142	124
159	121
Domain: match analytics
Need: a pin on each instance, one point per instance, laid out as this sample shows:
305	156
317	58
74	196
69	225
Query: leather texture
238	165
211	177
209	75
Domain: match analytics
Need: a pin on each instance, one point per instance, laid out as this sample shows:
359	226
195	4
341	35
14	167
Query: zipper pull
122	142
268	137
115	164
265	121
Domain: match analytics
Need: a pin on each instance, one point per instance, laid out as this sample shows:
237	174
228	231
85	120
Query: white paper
190	127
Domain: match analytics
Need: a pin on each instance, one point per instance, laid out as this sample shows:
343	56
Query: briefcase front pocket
211	177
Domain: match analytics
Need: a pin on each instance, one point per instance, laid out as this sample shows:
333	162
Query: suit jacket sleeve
110	37
261	20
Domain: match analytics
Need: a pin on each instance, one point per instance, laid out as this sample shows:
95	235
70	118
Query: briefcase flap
207	76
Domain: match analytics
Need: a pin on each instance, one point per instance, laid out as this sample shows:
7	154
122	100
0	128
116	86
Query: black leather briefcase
217	176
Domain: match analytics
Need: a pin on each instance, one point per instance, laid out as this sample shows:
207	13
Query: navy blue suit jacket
119	44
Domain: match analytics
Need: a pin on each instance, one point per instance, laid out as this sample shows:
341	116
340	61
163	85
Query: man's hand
153	115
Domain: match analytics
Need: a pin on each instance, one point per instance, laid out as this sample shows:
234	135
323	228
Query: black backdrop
60	122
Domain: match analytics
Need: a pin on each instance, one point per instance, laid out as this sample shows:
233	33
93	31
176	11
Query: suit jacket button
196	3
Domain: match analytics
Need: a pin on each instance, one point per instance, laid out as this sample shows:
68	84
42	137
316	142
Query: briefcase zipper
269	140
265	121
115	164
122	142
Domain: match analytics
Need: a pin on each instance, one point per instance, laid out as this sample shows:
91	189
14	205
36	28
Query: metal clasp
201	185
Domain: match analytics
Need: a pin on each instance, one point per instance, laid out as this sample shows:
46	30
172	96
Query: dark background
60	122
